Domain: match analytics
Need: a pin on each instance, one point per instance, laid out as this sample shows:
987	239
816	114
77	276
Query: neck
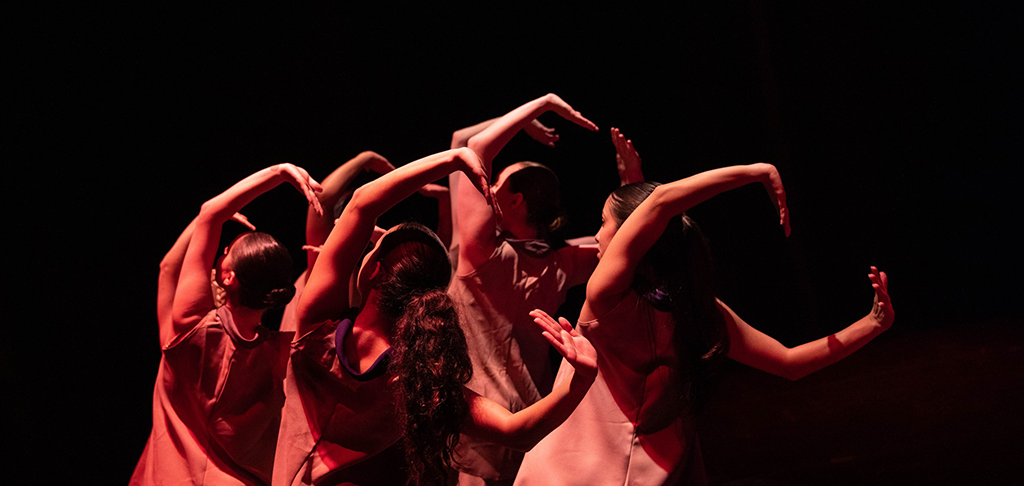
521	231
246	319
370	337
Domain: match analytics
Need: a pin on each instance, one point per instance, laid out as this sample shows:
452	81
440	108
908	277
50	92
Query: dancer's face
608	228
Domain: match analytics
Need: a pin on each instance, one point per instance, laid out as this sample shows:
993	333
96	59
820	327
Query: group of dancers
407	356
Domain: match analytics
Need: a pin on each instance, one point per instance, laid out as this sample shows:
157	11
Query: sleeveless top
338	426
216	406
628	429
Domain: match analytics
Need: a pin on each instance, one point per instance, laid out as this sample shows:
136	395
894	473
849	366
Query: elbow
460	138
793	370
360	201
210	213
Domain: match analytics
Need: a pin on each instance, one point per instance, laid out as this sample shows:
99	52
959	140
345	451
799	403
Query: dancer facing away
507	267
653	317
337	190
376	394
218	392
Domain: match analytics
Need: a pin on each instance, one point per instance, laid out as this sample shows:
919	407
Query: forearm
376	197
670	200
810	357
223	206
494	137
319	225
524	429
460	138
445	226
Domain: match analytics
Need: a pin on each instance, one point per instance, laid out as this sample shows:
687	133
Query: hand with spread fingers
572	345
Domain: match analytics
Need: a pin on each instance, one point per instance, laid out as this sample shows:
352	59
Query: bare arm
327	289
522	430
614	273
167	282
758	350
476	222
460	138
193	297
335	185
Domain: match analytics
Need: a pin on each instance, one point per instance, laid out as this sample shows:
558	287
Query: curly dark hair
430	358
680	265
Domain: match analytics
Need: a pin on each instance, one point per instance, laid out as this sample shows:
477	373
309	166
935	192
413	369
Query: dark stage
897	130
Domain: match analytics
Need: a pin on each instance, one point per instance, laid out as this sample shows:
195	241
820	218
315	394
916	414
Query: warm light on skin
608	228
500	192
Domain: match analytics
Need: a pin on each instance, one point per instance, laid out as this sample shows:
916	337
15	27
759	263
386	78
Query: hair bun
278	298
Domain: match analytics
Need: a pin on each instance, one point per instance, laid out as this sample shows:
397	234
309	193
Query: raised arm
327	289
167	281
193	297
756	349
522	430
335	186
638	233
476	222
460	138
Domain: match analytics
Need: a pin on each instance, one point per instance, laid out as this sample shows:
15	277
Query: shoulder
211	319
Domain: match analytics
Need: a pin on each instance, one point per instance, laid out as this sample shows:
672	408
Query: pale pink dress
216	407
511	363
628	430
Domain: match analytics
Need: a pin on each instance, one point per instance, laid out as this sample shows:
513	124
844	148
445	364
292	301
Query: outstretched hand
298	177
558	105
627	160
881	310
537	131
773	183
572	345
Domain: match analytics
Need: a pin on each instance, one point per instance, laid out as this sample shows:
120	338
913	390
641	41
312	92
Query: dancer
218	392
507	266
337	190
373	389
653	317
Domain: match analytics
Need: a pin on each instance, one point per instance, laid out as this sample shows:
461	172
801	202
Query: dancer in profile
508	266
652	314
338	187
375	394
218	393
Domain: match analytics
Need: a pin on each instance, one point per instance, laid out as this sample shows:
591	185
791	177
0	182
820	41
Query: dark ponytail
431	361
677	275
264	270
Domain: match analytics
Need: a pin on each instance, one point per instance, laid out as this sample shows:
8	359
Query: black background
896	128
